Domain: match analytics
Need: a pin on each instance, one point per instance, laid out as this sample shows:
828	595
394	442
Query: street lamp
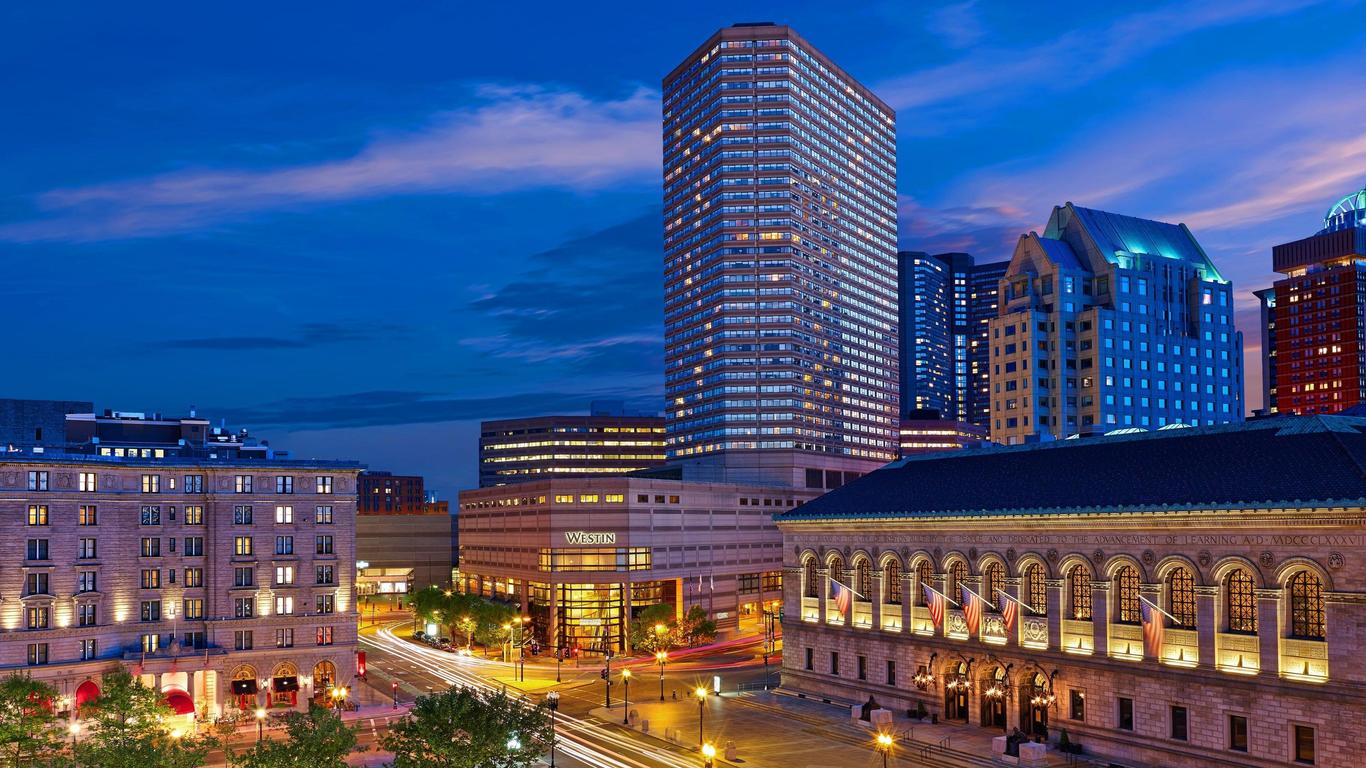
394	687
663	658
552	700
708	756
884	746
514	744
701	693
626	697
260	724
75	729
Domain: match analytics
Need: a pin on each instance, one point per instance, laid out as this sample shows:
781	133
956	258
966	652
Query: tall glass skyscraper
780	261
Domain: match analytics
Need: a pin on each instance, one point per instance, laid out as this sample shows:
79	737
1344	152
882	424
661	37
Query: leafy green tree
127	729
428	604
29	731
491	616
463	728
696	627
644	635
318	739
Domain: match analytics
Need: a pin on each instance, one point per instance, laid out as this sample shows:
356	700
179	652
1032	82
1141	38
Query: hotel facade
581	556
223	582
1251	567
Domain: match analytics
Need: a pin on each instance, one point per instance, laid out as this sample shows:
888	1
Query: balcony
955	624
1304	660
1034	632
1078	637
1126	642
811	609
832	614
862	615
891	617
920	621
1181	647
1237	653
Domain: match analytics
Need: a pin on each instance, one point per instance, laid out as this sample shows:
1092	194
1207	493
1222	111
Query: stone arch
1115	562
1293	565
1226	565
1169	563
888	557
989	557
1072	559
1032	558
954	555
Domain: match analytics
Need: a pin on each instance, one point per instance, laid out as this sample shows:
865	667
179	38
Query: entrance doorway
1034	701
994	700
956	688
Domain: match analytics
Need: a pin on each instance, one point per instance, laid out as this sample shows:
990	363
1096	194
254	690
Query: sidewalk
771	730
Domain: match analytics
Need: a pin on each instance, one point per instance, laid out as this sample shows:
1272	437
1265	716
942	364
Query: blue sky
358	229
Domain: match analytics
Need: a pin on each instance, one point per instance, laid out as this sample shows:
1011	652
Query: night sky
359	228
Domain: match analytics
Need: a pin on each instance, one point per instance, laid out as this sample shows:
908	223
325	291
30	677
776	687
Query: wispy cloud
308	335
989	75
958	25
987	231
512	138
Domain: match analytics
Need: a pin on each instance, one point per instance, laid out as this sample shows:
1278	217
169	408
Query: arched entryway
956	689
86	692
284	685
324	678
1035	698
994	688
179	701
244	687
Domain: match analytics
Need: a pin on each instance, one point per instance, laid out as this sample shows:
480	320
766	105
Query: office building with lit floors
223	582
780	263
607	441
583	556
1188	597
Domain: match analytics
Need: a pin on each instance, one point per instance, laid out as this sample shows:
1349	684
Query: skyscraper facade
780	259
946	302
1110	322
1318	313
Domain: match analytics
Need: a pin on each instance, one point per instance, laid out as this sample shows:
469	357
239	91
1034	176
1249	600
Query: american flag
843	596
972	608
1009	610
935	602
1153	628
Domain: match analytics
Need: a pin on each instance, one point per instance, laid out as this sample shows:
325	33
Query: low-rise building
1186	597
605	442
926	432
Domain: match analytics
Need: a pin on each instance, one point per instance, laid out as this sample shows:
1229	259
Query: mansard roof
1284	461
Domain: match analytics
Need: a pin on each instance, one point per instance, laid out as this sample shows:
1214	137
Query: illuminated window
836	572
87	515
564	499
1181	597
37	514
923	575
284	515
1079	580
863	574
588	498
1306	606
810	583
86	482
1241	603
958	572
891	580
993	580
1036	592
590	559
241	546
1126	587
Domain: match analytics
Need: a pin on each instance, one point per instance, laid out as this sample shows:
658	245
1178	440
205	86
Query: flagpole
979	597
941	594
1017	601
851	589
1158	608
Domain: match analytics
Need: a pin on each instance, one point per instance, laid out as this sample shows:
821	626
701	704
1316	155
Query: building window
863	575
322	515
284	545
1126	588
243	607
88	650
836	570
323	636
36	549
37	618
923	575
891	581
284	574
1304	744
1180	724
194	577
1306	607
863	668
86	581
241	514
1079	604
37	514
194	515
772	581
958	572
242	577
810	659
241	484
37	652
1077	705
151	547
284	484
284	606
325	603
1241	603
85	615
891	672
993	580
323	484
241	640
151	610
241	546
87	549
284	638
151	578
37	584
834	662
325	575
322	545
1181	597
1126	714
1237	733
193	608
810	578
87	515
748	583
284	515
1036	592
151	483
37	481
150	516
194	484
85	482
194	639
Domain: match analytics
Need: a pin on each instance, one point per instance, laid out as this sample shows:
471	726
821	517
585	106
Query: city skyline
332	249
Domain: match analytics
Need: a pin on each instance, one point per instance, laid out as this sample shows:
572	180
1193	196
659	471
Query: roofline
178	461
795	516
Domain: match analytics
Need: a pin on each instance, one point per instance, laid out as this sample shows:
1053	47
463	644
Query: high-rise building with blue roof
1112	322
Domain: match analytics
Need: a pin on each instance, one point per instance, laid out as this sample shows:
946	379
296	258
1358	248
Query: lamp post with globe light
701	694
626	697
663	658
552	701
260	724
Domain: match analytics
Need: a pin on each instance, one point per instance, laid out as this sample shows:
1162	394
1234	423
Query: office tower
1266	299
603	443
946	302
1111	322
1318	310
780	263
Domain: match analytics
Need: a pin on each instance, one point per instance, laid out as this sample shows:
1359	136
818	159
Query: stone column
876	600
1153	594
792	593
1012	588
1100	617
1207	624
1269	630
822	594
907	600
1054	611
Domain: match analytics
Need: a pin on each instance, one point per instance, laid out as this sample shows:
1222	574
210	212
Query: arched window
1126	589
923	576
1240	603
993	581
811	586
836	572
957	573
1181	597
1306	606
891	581
1079	580
1035	592
863	578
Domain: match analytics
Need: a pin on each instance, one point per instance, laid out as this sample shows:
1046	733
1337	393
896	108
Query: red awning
180	702
87	692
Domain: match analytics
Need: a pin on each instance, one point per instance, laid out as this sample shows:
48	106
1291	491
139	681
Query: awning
180	702
284	684
86	692
243	687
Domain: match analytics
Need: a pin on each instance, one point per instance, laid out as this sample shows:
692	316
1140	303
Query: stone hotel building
1243	543
223	581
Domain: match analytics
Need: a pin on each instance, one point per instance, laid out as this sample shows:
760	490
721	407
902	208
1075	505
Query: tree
644	629
490	617
28	726
696	627
318	739
464	728
128	730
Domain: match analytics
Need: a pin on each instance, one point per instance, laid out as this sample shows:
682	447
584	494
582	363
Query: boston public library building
1186	597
